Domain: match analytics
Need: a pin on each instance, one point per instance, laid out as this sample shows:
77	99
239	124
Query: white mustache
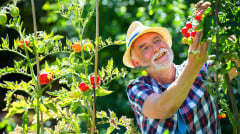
158	53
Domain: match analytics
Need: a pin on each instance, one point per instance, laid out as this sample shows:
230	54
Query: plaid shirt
198	110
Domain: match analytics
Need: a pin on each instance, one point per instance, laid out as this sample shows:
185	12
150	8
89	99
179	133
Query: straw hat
135	30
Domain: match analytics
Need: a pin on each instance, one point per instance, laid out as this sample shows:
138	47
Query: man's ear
135	63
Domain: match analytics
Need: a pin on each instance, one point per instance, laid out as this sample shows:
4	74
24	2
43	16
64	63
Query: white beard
166	64
159	66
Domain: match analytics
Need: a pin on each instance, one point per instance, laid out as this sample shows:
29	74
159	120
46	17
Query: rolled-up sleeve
137	94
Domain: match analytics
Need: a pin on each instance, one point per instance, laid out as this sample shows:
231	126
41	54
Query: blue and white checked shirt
198	110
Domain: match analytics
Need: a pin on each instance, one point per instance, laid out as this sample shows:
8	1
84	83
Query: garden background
114	18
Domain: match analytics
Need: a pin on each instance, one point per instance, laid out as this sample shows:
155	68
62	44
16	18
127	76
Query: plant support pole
38	71
217	60
95	69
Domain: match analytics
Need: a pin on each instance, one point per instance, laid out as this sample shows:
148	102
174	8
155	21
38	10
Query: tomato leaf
139	69
102	92
74	105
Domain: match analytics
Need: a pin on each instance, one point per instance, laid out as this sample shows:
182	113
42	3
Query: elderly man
171	97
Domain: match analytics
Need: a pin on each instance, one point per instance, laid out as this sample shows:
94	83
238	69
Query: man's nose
156	48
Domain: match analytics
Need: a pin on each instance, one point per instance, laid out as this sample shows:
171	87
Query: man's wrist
195	63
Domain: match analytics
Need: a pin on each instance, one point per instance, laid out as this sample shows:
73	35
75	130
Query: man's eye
145	48
156	41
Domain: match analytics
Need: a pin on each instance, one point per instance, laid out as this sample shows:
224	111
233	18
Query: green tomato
185	40
190	41
88	47
14	11
3	19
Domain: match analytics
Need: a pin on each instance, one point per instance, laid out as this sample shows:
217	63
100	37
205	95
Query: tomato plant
58	89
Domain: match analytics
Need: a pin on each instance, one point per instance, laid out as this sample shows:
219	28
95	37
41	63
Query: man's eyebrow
142	45
157	37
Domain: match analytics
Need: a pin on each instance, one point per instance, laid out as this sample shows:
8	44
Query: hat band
133	37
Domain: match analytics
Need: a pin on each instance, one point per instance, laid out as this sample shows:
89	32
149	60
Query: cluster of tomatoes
189	30
86	47
22	43
83	86
46	77
13	11
223	115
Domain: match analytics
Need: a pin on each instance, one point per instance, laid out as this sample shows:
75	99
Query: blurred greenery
115	17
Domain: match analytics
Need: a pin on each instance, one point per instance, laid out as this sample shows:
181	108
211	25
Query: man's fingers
199	3
206	46
197	40
201	8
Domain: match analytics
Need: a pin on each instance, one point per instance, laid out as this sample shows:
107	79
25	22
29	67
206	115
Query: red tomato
187	35
189	25
22	45
198	17
219	116
76	47
92	80
193	33
83	87
45	77
184	30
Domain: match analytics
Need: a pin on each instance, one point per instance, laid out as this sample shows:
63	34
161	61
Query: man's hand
201	7
197	51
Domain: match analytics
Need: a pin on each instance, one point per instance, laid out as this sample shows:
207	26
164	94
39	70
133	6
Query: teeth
160	55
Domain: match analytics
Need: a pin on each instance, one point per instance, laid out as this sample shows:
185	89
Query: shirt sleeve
137	94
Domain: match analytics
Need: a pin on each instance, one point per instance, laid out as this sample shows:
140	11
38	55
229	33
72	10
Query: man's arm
163	106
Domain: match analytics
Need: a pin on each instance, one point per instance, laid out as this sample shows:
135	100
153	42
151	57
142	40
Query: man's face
150	49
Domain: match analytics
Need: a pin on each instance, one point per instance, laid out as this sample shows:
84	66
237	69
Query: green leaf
200	26
139	69
43	108
56	93
58	37
46	67
102	114
64	102
3	124
76	126
207	11
229	65
102	92
52	107
74	105
110	129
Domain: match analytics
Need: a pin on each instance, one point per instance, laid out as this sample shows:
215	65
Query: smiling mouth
160	56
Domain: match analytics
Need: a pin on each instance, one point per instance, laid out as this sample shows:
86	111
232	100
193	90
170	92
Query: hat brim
160	30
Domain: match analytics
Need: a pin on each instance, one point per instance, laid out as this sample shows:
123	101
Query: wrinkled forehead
145	35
